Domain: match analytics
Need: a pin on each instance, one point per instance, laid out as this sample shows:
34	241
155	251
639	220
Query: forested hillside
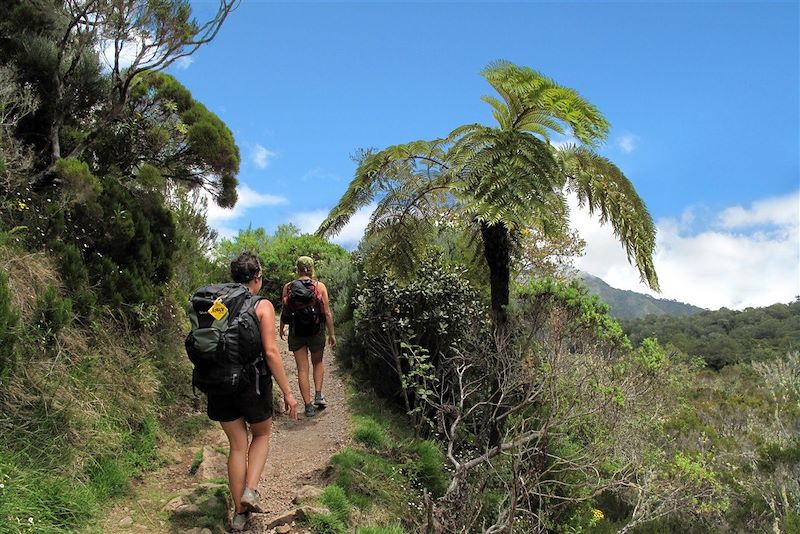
628	305
725	337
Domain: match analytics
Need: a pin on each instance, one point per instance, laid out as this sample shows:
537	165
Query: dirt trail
300	452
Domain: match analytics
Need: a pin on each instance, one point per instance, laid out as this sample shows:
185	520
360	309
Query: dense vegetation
103	166
725	337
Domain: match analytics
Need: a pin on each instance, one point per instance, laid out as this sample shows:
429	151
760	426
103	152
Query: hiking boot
311	410
250	499
239	521
319	401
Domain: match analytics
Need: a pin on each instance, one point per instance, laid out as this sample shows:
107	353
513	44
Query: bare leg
319	370
301	358
258	452
237	459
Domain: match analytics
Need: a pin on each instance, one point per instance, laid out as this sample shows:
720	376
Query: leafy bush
432	312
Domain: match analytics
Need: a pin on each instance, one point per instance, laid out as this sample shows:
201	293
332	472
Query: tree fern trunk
497	251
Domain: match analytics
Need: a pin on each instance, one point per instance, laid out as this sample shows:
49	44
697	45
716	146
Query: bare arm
284	300
326	307
266	324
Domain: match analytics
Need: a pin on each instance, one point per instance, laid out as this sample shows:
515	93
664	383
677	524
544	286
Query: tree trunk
497	251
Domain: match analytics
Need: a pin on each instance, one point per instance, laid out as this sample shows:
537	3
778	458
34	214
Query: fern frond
378	173
603	188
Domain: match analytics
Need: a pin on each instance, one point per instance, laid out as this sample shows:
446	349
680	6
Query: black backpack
224	344
303	309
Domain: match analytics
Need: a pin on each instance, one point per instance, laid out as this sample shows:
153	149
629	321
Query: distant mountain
627	305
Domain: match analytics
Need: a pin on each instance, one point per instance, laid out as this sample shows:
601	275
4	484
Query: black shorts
315	343
253	407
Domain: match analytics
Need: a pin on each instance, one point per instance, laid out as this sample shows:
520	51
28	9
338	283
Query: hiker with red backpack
306	311
234	352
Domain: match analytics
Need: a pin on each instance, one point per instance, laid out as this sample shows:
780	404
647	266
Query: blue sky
703	99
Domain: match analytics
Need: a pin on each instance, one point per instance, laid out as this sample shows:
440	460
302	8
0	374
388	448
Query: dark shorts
253	407
315	343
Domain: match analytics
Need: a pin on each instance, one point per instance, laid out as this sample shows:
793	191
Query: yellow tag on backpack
218	310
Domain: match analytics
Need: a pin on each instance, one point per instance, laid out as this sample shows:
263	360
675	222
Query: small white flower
2	486
30	520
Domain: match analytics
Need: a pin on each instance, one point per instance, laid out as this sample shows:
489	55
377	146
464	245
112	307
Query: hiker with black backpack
306	311
234	351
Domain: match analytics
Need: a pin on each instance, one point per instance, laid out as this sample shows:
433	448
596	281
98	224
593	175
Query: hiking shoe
239	521
311	410
319	401
250	499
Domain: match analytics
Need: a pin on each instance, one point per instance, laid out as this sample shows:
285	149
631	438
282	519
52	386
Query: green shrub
8	323
433	311
75	277
53	312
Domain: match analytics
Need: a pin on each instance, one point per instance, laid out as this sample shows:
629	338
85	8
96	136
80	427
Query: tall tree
500	180
56	44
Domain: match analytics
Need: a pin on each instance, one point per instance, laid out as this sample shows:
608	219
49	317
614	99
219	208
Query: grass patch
326	524
186	427
369	432
385	476
335	499
198	459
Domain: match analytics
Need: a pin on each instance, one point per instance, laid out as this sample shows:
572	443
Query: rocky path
171	500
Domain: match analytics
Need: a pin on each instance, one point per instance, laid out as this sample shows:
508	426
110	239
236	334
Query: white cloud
262	157
183	63
715	267
351	234
248	198
627	143
780	211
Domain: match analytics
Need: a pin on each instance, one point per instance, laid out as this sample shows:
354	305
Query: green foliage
33	499
368	432
425	465
8	323
278	254
81	184
196	461
75	277
53	312
585	312
335	499
433	312
650	354
725	337
326	524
